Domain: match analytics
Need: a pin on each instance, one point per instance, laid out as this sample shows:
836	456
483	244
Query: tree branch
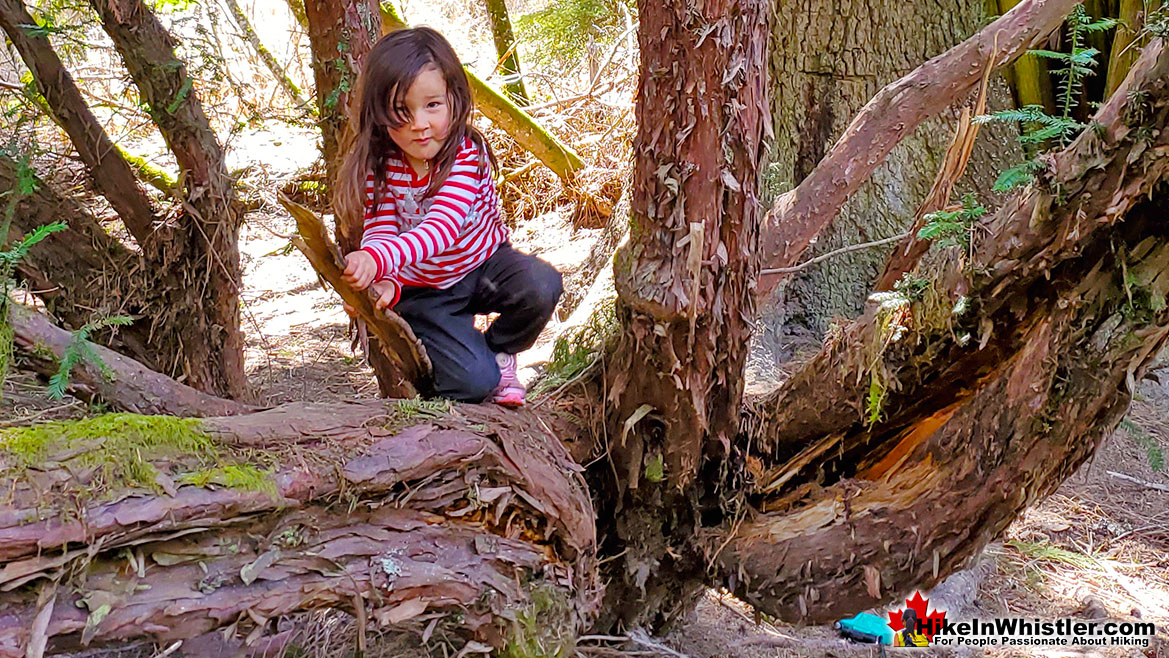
798	216
118	380
403	351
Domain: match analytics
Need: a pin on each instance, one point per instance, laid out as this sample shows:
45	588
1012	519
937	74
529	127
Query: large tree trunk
684	284
200	261
827	60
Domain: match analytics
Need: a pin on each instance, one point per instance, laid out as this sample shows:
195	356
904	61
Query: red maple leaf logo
931	622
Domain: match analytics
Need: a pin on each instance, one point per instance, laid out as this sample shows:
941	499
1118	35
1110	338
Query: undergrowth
578	349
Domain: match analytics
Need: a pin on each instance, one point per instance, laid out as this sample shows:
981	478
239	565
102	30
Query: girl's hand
387	293
360	269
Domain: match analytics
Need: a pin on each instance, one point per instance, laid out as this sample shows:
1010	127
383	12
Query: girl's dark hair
390	68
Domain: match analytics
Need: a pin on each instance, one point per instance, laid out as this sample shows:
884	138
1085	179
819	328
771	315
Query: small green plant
80	348
576	350
543	628
1039	127
1153	453
952	228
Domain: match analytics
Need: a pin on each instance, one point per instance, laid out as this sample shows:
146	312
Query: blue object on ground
866	628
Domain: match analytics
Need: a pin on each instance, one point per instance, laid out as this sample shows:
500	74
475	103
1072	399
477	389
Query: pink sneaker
510	392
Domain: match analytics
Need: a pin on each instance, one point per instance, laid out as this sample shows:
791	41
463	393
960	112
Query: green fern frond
1017	176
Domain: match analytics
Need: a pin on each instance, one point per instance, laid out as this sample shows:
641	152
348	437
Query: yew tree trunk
919	433
200	260
684	284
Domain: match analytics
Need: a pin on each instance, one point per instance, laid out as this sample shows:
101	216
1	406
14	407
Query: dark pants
523	289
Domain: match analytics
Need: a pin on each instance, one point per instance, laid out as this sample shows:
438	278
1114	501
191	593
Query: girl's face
428	113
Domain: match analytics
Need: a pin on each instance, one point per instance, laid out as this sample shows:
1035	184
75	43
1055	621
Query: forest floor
1098	548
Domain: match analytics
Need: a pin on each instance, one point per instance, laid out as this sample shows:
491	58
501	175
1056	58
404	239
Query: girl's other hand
360	269
387	293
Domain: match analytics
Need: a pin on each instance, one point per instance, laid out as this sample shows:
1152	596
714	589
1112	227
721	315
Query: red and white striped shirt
436	241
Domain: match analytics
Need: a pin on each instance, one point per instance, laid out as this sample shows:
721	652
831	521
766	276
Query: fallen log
394	508
120	381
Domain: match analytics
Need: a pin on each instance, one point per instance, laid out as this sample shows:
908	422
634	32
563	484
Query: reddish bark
986	411
491	514
201	260
341	33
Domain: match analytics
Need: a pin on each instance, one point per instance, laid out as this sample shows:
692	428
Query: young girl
417	176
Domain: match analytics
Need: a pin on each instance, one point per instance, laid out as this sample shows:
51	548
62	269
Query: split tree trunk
896	458
199	263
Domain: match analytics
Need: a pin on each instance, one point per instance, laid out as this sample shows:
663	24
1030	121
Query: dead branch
401	348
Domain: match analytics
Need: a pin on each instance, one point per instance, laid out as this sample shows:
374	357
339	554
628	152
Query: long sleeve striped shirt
436	241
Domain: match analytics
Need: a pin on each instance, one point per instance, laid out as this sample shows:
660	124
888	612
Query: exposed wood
557	156
409	372
798	216
505	48
110	173
117	380
983	411
202	259
912	248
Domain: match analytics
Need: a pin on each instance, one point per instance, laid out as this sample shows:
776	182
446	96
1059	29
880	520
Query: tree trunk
201	260
684	283
341	33
111	174
827	60
505	48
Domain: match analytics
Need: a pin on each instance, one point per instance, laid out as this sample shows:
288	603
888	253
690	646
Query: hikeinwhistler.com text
1012	631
